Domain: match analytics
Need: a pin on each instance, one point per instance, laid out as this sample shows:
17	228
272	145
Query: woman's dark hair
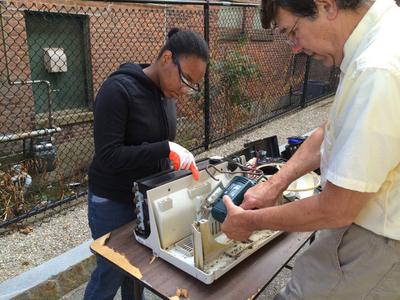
300	8
186	43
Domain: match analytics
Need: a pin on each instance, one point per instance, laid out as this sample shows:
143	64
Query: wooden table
245	281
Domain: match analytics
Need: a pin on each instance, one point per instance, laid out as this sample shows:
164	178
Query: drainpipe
49	91
207	124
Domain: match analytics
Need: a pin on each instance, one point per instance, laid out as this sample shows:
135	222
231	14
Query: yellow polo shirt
361	149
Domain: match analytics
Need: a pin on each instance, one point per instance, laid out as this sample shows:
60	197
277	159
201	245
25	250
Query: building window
260	34
230	17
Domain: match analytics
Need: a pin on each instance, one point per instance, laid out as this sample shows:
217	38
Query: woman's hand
183	159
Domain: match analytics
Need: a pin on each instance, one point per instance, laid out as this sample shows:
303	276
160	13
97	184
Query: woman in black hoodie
134	126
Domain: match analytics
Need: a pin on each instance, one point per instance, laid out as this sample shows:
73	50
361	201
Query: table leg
138	290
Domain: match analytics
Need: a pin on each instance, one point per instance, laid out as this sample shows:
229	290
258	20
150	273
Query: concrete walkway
54	278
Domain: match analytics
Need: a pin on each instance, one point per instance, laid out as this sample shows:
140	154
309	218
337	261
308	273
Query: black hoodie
133	122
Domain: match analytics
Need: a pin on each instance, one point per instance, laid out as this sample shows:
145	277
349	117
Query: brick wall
16	101
121	32
105	23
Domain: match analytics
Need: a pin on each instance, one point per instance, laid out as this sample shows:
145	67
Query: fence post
304	94
206	80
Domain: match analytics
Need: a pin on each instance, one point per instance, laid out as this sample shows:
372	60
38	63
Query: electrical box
55	60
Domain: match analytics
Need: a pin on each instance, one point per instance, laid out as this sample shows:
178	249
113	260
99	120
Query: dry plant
20	194
14	186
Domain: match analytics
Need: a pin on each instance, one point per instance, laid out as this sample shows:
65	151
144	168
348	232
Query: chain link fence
54	59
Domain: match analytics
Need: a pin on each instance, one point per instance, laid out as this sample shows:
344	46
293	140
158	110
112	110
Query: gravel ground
21	252
295	123
50	237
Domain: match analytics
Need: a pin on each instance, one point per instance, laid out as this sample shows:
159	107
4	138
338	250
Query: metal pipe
49	90
304	95
25	135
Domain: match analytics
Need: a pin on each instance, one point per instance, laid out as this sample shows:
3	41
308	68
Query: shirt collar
359	37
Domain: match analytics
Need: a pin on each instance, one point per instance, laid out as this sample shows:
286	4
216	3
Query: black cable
256	171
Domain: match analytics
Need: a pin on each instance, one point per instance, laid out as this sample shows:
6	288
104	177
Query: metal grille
185	246
54	59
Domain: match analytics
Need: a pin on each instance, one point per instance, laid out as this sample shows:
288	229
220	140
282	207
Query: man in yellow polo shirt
357	253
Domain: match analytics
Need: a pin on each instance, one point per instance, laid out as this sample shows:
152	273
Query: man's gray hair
300	8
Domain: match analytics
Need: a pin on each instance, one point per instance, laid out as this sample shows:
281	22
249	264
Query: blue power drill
236	189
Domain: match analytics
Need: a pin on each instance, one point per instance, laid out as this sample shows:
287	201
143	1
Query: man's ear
166	57
327	8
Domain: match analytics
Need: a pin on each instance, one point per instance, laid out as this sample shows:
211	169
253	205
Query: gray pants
346	263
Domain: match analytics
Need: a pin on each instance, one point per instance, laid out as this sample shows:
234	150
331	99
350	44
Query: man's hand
233	226
183	159
261	195
306	159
